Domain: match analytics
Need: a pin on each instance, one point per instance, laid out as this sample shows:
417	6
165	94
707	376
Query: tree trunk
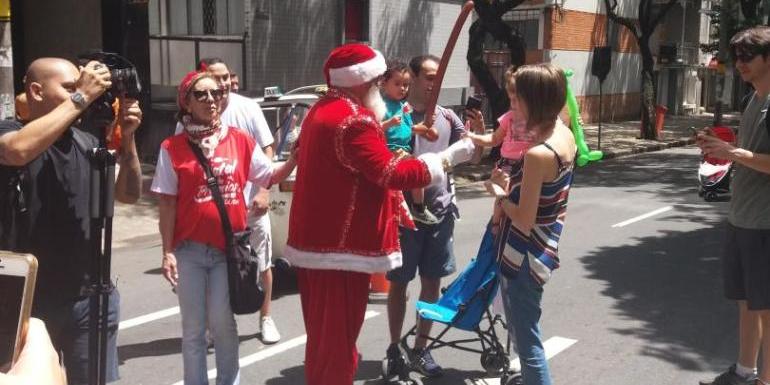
496	95
648	90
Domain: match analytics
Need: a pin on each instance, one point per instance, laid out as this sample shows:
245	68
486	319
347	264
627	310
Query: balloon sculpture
584	154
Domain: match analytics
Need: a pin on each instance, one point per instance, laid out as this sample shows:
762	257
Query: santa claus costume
343	223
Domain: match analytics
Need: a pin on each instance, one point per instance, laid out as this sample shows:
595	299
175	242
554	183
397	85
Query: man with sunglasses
244	113
746	260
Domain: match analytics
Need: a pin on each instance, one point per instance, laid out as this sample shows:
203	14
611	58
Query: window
196	17
356	20
526	22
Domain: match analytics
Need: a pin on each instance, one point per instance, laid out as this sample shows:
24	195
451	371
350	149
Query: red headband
185	86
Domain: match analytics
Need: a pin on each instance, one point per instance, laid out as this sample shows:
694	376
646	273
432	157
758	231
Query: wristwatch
79	100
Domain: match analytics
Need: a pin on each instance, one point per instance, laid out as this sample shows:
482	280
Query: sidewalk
138	223
618	139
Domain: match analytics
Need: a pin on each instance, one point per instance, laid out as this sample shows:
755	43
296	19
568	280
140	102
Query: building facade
565	33
285	42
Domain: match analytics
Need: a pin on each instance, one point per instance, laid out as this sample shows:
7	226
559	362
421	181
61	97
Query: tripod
102	208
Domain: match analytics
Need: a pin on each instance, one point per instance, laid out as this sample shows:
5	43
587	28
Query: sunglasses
203	95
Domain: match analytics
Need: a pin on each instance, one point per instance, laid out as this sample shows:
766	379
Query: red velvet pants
333	306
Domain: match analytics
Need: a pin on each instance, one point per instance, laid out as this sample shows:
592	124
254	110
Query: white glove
435	165
459	152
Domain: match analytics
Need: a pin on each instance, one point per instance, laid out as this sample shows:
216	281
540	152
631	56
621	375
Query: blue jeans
204	296
521	300
67	322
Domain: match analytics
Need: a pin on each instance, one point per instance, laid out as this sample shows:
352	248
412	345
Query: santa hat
353	64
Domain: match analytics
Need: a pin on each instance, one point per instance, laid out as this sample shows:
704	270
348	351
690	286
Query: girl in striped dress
534	204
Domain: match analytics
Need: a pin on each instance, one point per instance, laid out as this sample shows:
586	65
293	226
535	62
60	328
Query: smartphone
473	102
17	287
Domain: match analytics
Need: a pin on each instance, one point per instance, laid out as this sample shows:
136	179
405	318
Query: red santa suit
343	223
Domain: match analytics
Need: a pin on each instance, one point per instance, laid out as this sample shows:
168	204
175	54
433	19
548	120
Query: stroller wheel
711	196
495	363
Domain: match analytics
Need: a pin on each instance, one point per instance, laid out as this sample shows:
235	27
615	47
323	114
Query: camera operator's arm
128	187
18	148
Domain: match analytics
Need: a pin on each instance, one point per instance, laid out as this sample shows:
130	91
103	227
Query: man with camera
46	161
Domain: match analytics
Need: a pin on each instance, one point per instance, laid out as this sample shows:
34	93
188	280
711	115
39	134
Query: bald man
49	152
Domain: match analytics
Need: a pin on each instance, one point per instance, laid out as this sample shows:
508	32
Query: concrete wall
289	40
403	29
62	28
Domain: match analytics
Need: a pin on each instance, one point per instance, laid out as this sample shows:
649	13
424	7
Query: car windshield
285	122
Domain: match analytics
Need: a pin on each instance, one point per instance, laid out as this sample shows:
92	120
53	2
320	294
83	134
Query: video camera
125	82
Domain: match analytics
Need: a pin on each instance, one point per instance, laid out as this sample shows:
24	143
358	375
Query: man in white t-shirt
244	113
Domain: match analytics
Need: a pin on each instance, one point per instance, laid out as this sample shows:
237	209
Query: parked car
284	114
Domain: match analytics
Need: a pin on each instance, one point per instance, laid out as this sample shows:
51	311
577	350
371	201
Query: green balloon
585	155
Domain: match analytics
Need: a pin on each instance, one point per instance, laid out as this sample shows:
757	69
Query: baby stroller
464	305
714	174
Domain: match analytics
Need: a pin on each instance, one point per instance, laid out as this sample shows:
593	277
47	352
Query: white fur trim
342	261
358	73
435	165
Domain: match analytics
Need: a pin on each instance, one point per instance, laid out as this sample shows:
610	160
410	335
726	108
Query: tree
491	22
642	29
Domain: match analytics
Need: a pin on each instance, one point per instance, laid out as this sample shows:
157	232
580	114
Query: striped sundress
541	245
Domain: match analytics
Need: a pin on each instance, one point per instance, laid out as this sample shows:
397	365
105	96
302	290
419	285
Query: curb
608	154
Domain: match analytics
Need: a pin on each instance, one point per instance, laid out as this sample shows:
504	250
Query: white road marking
556	345
148	318
275	350
553	346
643	217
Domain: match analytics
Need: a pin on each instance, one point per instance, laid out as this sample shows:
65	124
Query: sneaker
424	216
729	377
270	333
394	364
423	362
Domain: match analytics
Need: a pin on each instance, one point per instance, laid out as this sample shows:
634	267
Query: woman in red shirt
190	225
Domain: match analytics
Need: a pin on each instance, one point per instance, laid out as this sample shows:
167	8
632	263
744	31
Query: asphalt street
637	299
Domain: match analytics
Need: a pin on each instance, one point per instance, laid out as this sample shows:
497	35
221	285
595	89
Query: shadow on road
369	372
669	285
665	171
163	347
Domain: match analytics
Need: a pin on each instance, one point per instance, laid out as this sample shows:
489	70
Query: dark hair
394	66
508	81
415	65
208	61
543	88
755	41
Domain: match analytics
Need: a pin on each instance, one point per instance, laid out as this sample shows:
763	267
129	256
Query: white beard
374	102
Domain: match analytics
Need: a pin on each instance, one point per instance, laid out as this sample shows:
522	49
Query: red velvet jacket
343	212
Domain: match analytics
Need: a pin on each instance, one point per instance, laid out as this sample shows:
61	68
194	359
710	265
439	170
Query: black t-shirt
57	193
